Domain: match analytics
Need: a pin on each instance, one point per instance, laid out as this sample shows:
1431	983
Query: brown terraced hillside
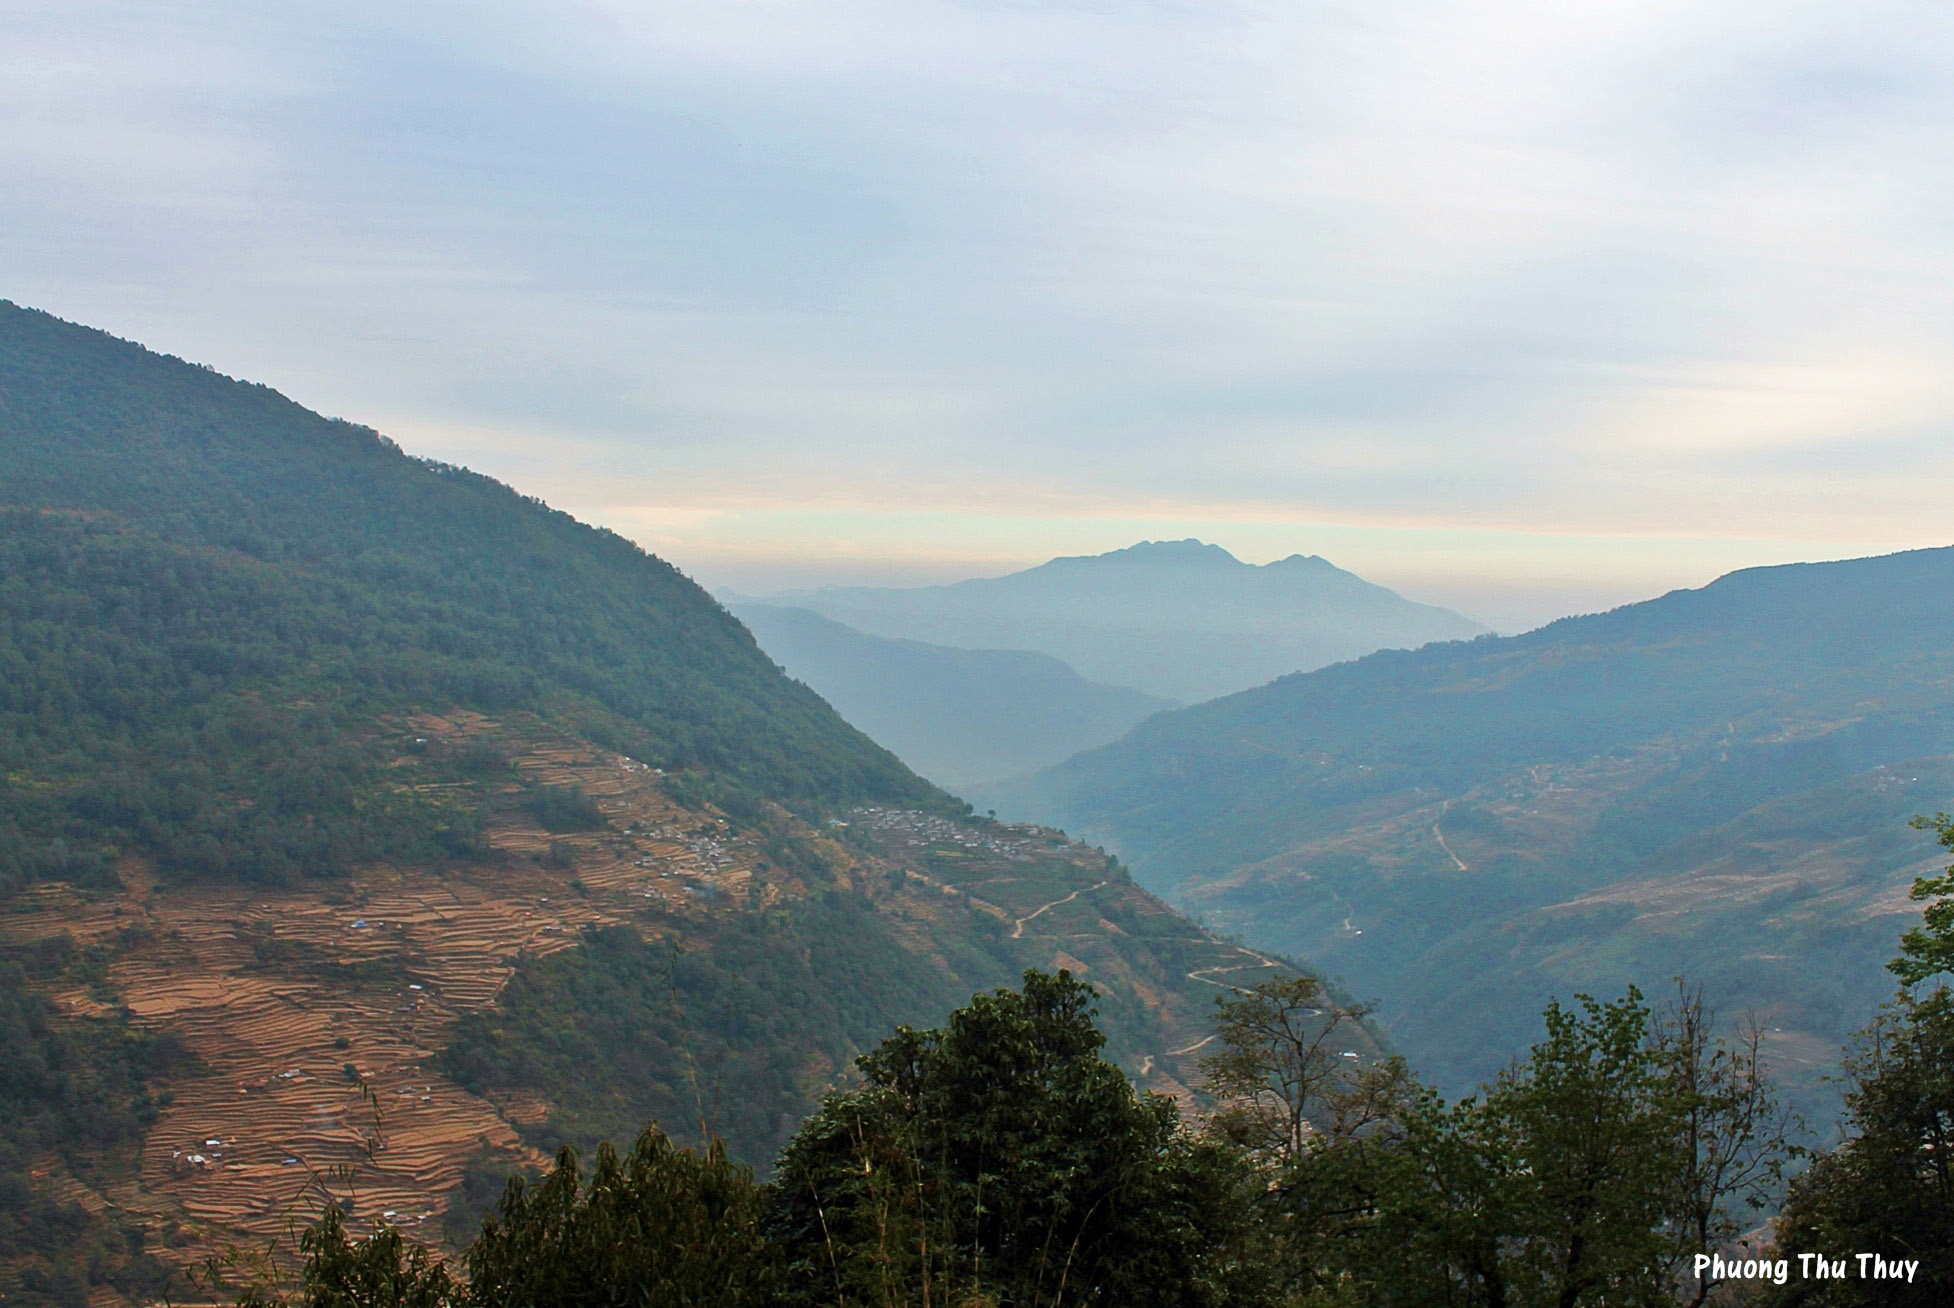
368	831
318	1016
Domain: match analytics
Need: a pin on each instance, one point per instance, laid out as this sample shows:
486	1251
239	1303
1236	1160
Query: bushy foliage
1889	1188
1552	1190
1586	1174
661	1227
999	1159
565	808
730	1034
384	1270
76	1092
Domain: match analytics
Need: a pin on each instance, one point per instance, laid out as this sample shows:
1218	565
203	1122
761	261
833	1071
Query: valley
370	833
1714	785
956	716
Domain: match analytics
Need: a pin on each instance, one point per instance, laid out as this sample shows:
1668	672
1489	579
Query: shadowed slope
958	716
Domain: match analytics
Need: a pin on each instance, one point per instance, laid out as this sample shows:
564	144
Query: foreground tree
661	1227
1733	1137
1549	1191
1586	1174
1312	1124
1888	1190
1279	1076
1000	1160
385	1270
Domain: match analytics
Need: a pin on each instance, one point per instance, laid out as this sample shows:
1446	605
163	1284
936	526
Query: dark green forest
211	600
78	1093
712	1037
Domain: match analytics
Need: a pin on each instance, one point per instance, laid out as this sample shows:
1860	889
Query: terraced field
317	1014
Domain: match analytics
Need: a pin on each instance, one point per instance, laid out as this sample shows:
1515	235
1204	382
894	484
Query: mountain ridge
191	460
1181	620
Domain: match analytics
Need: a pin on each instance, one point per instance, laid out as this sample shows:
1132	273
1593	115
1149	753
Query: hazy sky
1518	307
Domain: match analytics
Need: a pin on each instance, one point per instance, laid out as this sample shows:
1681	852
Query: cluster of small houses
710	850
209	1152
918	828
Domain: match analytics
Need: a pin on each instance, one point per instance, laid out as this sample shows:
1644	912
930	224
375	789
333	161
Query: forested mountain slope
958	716
162	509
367	828
1714	782
1180	619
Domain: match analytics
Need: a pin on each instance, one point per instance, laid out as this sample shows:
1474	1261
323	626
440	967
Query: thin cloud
1641	271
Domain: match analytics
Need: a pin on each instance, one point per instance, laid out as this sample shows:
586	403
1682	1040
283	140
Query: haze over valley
1156	624
1713	785
1182	620
958	716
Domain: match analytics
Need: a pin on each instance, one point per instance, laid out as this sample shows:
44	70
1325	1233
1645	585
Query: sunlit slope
1714	782
388	1036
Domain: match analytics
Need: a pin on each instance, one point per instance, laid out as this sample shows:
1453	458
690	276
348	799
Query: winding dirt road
1017	929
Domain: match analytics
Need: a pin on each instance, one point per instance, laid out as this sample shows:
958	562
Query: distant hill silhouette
1716	782
1180	620
958	716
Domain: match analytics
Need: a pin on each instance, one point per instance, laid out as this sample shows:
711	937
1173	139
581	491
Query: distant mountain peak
1193	552
1177	619
1154	553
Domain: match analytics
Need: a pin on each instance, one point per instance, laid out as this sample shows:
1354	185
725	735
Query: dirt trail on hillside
1439	835
1017	928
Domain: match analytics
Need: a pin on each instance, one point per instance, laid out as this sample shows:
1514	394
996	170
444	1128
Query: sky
1523	308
